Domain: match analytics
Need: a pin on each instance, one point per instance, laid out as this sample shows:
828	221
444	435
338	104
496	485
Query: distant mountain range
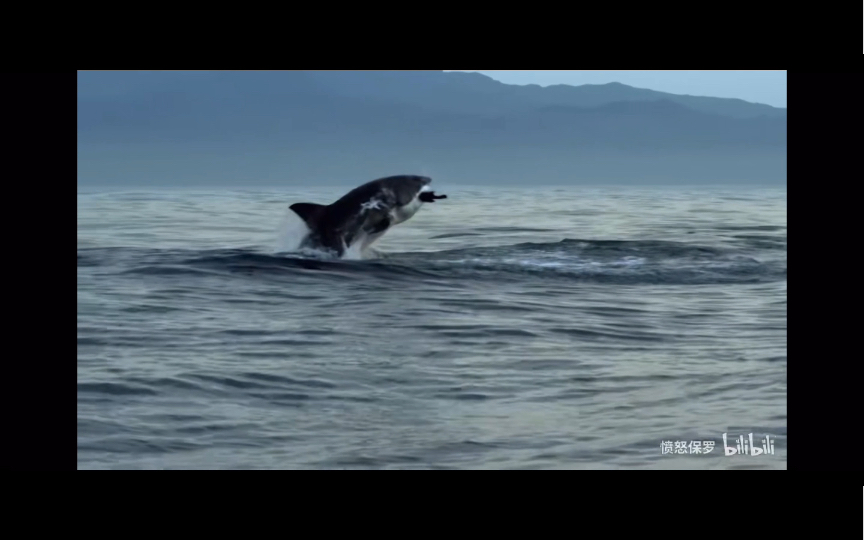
306	127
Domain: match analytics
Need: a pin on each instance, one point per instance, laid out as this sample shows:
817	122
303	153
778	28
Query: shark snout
426	194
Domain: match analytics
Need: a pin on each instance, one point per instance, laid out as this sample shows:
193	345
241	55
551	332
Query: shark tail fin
311	213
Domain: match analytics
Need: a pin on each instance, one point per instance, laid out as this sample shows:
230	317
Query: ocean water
535	328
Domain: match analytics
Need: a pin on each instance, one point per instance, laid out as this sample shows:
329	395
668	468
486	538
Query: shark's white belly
363	240
404	213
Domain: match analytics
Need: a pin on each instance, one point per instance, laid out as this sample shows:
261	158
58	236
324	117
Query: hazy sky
757	86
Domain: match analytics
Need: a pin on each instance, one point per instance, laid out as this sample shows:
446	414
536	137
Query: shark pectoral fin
379	226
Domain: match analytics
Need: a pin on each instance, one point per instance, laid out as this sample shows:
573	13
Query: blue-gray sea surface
551	328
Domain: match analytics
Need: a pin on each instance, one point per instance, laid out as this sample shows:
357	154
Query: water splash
291	233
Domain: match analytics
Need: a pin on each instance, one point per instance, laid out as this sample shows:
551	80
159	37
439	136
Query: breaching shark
365	213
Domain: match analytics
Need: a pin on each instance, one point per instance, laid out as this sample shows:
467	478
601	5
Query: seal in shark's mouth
429	196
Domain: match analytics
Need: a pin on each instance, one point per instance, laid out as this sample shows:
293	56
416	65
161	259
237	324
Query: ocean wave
624	261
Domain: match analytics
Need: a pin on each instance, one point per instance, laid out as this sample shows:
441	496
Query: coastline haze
757	86
344	127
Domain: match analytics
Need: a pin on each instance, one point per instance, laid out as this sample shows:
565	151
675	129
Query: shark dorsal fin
311	213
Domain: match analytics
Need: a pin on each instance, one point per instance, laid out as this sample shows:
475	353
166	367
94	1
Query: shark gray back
365	213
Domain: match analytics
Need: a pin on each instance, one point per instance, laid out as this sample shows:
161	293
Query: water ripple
505	329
